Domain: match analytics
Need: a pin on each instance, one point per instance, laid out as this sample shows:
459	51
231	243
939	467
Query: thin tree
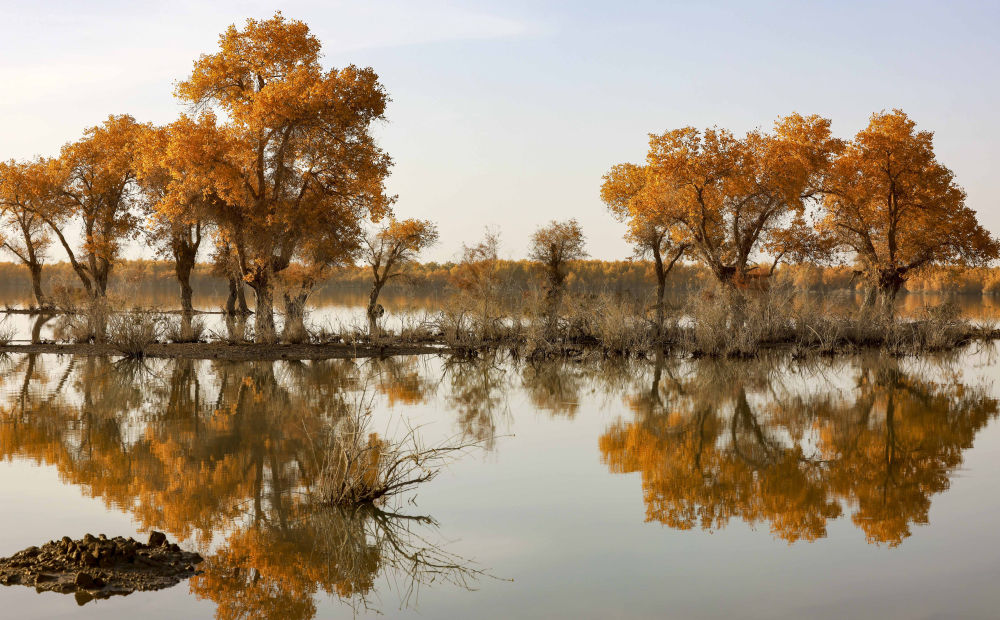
225	264
625	193
96	185
553	247
174	227
24	193
388	250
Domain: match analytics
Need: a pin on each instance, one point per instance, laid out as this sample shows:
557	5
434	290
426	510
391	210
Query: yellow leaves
889	201
410	234
558	242
885	196
294	169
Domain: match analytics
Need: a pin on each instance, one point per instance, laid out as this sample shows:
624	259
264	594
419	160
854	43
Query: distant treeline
589	275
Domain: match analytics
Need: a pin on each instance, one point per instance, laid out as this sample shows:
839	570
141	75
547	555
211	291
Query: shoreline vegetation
274	175
526	324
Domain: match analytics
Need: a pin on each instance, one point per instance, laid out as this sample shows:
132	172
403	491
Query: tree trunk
183	265
881	294
236	327
661	286
263	324
36	328
373	311
553	299
241	297
36	283
237	298
295	325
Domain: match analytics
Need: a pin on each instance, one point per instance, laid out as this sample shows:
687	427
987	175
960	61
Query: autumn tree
95	181
553	247
728	196
25	193
388	250
626	193
479	277
294	168
897	209
174	227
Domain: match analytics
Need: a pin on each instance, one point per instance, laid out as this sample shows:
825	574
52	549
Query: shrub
180	330
131	333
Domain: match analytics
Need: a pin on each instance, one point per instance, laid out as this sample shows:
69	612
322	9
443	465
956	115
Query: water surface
857	487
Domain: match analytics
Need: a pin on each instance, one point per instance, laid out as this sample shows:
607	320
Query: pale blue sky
508	113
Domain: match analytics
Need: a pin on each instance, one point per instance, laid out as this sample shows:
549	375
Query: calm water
860	487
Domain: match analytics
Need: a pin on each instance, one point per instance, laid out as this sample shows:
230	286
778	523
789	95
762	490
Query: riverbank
233	352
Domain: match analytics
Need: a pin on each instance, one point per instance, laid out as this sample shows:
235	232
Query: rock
100	567
87	581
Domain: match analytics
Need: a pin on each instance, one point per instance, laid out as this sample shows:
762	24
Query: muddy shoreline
234	352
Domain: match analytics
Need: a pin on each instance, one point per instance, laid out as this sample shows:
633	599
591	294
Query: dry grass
175	329
359	467
131	333
7	333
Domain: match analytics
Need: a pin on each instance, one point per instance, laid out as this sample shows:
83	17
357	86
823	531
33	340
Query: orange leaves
883	197
294	169
724	195
896	208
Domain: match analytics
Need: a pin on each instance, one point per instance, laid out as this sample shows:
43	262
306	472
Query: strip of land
233	352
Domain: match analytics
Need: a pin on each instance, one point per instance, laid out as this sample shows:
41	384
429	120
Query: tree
294	168
728	197
388	250
175	229
649	226
25	192
553	246
96	186
478	275
897	209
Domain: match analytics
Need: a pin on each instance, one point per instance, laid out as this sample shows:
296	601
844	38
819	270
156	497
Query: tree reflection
729	440
478	392
208	450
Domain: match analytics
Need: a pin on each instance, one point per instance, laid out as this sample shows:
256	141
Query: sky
506	114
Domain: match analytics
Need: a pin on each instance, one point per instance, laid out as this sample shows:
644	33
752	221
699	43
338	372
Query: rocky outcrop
99	567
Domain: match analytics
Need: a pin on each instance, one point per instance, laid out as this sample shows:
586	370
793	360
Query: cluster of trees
275	161
797	193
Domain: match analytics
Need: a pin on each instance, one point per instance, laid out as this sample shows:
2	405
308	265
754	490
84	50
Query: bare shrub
87	323
358	467
131	333
7	333
181	330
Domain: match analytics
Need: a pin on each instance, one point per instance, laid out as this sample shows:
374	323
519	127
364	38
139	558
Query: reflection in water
478	392
729	440
224	454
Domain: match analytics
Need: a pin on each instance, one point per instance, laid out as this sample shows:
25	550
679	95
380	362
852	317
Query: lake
859	486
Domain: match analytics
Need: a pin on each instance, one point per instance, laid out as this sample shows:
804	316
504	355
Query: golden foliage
894	206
